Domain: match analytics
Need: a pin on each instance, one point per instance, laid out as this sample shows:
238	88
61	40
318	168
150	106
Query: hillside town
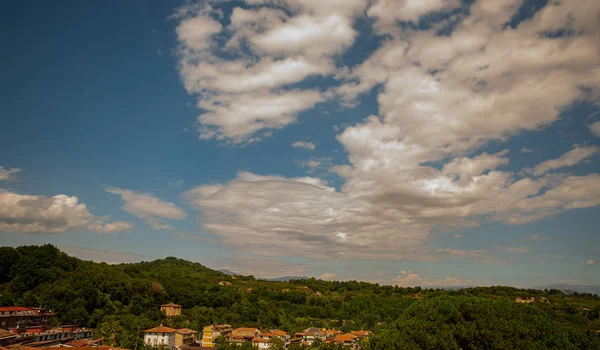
27	328
178	339
211	335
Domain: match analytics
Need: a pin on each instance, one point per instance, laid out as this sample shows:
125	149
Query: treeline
121	300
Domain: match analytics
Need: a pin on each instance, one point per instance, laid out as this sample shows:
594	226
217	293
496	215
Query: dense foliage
121	300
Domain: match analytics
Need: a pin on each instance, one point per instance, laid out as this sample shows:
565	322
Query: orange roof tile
185	331
160	329
260	340
278	332
345	337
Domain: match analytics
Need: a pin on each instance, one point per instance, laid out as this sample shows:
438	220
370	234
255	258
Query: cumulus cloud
412	279
327	276
568	159
270	45
514	249
146	206
304	144
388	12
7	174
40	214
441	99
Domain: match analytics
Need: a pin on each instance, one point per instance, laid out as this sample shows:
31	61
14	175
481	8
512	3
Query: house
184	337
46	337
245	332
212	332
277	333
332	333
224	283
13	316
160	335
242	335
171	309
361	334
261	343
347	340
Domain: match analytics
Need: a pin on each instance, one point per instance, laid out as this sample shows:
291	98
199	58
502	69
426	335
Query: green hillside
127	298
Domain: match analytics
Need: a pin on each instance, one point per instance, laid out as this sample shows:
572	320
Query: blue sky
412	143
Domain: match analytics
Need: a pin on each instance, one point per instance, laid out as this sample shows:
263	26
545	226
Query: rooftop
170	305
160	329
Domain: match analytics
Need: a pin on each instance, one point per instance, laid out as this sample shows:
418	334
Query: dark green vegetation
121	300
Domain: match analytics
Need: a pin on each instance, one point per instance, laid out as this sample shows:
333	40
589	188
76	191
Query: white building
160	335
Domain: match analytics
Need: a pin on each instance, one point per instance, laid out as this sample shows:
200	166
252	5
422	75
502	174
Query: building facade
211	333
171	309
160	335
184	337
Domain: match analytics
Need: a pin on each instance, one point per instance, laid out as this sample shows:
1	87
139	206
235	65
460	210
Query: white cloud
39	214
457	236
595	128
107	256
304	144
147	207
412	279
526	150
514	249
480	84
271	45
568	159
327	276
7	174
112	227
388	12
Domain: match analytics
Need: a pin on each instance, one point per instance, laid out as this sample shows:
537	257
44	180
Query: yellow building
171	309
211	333
184	337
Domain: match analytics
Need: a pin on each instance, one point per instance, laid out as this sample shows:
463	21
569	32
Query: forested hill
128	296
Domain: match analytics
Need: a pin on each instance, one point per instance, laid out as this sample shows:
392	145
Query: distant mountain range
572	288
273	279
287	278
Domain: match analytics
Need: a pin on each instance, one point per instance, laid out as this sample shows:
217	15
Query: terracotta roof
84	343
279	332
260	340
14	308
160	329
310	333
266	334
345	337
170	305
185	331
360	333
246	329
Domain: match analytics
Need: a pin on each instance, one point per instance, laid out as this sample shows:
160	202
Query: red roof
160	329
14	308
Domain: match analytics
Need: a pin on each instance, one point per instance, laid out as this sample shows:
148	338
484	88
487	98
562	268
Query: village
28	328
184	338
